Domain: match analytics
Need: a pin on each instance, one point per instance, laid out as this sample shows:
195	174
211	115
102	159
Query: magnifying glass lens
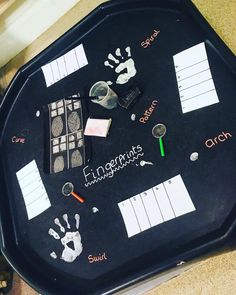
67	188
159	130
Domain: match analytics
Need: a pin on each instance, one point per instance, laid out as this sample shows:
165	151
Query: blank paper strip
161	203
195	83
164	202
33	190
178	196
151	207
140	212
65	65
130	218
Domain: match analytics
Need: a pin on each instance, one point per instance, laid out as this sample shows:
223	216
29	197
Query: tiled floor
19	287
205	278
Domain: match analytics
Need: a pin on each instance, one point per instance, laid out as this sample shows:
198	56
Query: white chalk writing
108	170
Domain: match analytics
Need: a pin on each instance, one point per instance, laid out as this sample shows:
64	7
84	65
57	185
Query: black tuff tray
210	180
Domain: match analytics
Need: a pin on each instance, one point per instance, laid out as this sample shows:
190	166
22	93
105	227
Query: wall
25	20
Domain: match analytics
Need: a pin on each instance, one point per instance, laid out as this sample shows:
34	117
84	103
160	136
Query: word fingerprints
71	240
109	169
124	67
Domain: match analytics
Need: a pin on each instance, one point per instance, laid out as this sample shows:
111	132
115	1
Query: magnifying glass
68	189
158	131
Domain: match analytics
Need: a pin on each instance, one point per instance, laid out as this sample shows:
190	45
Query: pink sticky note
97	127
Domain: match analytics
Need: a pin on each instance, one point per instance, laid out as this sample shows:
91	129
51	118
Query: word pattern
147	114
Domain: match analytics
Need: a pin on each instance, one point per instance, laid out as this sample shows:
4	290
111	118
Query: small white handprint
69	254
121	66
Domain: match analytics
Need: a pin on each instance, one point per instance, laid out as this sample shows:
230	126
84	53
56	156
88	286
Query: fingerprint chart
67	149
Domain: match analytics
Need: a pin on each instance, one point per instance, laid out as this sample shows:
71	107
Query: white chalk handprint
125	68
69	254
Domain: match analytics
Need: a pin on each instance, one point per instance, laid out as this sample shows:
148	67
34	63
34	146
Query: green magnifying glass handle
161	147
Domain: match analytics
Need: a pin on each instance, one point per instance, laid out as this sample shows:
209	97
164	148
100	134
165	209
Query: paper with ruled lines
65	65
157	205
33	190
195	83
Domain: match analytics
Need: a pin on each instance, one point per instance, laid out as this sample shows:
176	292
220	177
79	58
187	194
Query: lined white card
63	66
195	83
160	203
33	190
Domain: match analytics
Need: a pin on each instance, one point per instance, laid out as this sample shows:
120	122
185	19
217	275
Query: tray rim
225	237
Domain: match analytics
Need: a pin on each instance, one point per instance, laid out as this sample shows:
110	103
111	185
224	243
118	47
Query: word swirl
108	170
97	258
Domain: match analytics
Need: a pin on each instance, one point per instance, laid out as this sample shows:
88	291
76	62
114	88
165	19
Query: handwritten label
109	169
148	41
147	114
97	258
16	139
209	143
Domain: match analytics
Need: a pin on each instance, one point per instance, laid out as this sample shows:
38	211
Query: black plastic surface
210	180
